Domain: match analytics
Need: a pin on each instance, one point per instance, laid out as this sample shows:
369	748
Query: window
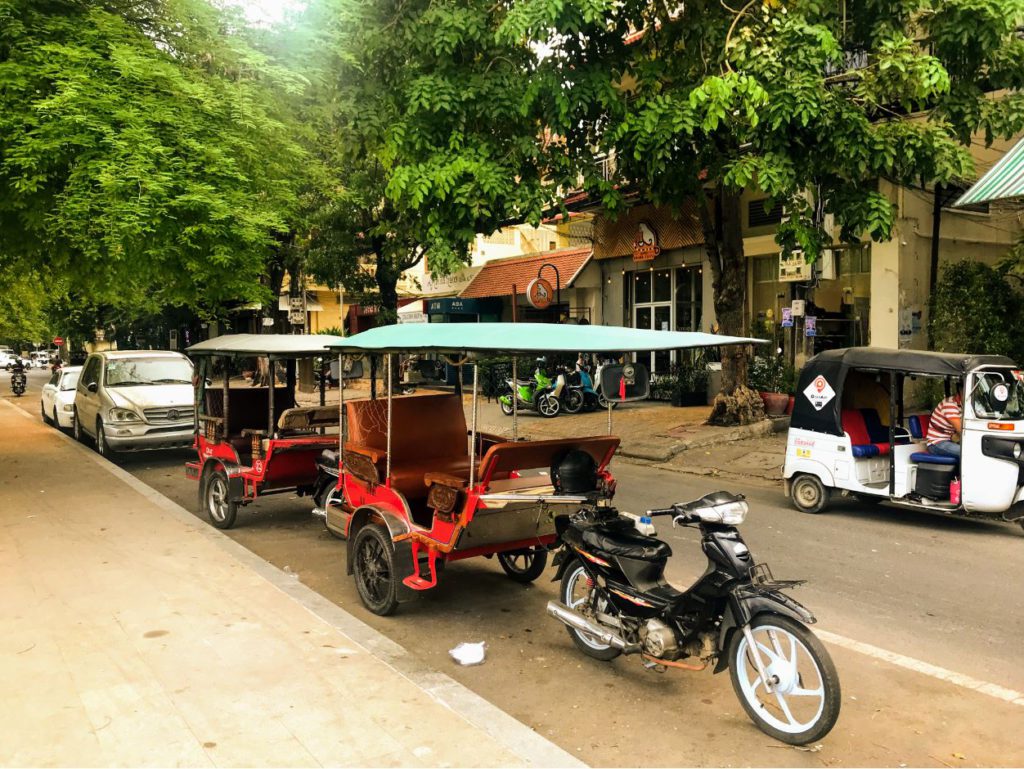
757	216
70	380
130	372
54	378
91	372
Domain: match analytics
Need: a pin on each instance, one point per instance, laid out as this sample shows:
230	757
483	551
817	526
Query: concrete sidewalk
135	634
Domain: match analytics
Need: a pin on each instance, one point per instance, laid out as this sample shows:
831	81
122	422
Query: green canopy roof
276	345
524	338
1004	180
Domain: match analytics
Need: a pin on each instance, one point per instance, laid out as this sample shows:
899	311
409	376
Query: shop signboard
539	293
645	243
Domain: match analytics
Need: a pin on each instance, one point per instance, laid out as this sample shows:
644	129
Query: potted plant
692	376
772	377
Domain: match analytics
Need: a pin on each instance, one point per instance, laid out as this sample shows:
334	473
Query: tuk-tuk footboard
458	555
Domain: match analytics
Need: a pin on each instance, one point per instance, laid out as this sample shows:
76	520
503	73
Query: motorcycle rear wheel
575	594
806	697
572	403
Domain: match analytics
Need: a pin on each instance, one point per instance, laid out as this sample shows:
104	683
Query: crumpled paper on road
469	653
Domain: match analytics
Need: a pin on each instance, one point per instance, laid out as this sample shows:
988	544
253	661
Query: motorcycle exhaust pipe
577	621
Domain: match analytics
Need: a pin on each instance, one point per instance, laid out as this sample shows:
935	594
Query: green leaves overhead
145	151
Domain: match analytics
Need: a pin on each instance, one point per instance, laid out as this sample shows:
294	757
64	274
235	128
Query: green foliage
23	311
422	115
146	151
975	310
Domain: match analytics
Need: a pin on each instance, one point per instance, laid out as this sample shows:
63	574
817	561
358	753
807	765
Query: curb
512	734
658	452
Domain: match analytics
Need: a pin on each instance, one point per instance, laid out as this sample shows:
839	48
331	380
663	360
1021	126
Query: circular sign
1001	393
58	341
539	293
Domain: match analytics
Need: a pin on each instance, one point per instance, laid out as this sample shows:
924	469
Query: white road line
926	668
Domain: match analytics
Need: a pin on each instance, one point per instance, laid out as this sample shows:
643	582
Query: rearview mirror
629	382
92	387
1000	395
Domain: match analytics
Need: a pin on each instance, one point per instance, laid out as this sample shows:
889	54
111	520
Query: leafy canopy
146	153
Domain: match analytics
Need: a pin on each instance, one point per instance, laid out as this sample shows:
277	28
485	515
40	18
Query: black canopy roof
909	361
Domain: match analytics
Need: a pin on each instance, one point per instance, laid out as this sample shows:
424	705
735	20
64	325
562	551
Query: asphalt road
946	591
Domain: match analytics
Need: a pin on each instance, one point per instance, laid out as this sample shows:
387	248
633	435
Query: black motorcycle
615	600
18	382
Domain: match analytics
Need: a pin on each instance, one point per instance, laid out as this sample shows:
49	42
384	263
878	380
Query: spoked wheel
804	700
548	405
524	566
809	494
573	402
374	569
579	594
217	500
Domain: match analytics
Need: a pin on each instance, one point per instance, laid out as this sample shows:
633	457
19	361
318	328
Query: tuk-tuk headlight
1016	451
123	415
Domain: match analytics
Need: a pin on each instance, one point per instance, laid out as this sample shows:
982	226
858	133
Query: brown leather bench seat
428	436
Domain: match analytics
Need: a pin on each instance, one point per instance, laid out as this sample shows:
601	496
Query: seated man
944	428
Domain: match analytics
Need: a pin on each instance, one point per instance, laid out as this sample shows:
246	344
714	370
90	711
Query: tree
421	113
810	102
975	310
146	151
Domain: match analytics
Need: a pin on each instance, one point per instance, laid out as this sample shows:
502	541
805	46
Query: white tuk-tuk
849	432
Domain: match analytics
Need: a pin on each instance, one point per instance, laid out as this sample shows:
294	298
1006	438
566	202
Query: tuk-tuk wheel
374	569
221	509
809	494
524	566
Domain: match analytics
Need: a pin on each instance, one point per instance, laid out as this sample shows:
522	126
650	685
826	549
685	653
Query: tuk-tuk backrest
532	455
247	407
424	426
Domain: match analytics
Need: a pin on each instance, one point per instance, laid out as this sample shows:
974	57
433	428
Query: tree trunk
722	223
386	277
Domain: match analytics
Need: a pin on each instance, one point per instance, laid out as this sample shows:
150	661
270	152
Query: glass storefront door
666	300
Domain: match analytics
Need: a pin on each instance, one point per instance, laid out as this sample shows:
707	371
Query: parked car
130	400
6	358
42	358
57	402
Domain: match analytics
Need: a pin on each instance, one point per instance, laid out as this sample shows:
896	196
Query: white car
57	403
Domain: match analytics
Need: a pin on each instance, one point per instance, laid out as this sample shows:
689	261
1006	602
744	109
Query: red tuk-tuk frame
255	440
437	492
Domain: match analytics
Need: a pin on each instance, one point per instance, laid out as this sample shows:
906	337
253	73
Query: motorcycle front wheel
805	695
548	405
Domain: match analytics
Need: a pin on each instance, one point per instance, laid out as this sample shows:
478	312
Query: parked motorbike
537	394
615	600
569	391
18	382
583	381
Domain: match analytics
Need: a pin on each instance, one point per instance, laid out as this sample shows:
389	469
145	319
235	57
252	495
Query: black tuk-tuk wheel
809	494
374	569
524	566
221	509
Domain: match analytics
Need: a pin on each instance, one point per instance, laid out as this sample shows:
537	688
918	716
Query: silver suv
129	400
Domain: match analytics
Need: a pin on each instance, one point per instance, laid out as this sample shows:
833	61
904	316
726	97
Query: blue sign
810	326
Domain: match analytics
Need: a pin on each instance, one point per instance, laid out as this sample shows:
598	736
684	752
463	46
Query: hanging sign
539	293
819	392
810	326
787	317
645	243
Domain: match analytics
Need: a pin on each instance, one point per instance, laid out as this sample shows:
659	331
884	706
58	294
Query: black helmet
574	472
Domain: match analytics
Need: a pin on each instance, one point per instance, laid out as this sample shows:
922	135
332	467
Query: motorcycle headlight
123	415
730	514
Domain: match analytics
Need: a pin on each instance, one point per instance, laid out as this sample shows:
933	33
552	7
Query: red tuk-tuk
414	486
253	437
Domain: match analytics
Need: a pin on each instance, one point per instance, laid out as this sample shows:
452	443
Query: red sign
58	341
539	293
645	243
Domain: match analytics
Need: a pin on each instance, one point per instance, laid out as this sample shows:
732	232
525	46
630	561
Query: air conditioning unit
794	268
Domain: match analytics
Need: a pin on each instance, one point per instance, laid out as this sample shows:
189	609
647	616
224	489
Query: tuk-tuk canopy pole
515	399
387	469
270	397
341	408
610	404
472	439
227	387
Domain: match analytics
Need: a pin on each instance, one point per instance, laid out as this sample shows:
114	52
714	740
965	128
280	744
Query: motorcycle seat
623	539
524	382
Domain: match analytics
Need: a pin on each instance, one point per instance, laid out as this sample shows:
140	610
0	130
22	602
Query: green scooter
537	394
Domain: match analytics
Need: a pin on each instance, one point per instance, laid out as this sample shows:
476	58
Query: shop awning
497	277
1004	180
